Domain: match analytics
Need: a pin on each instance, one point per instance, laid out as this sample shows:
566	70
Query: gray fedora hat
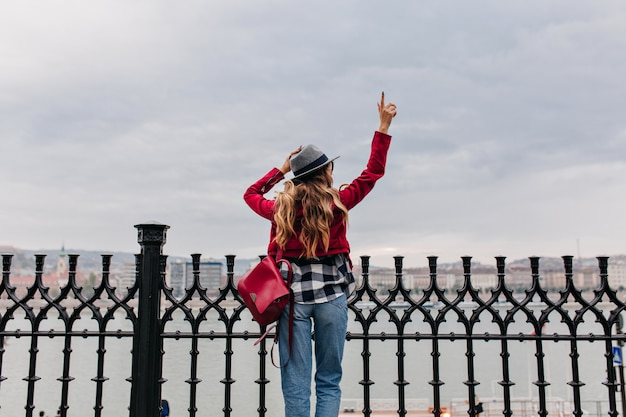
309	159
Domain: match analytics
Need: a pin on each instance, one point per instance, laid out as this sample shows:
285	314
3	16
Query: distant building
518	277
584	277
210	275
588	277
383	279
62	268
484	282
412	279
126	277
617	274
181	276
552	279
444	281
177	278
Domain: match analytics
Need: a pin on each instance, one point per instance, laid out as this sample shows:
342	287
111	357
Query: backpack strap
291	314
279	258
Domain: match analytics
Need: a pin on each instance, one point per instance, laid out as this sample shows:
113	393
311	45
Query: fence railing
150	305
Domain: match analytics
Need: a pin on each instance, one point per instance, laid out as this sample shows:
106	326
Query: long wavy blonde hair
316	196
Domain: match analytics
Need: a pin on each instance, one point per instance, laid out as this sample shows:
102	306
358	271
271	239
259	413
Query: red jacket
350	196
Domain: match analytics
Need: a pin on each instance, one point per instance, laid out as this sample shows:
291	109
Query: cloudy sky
510	137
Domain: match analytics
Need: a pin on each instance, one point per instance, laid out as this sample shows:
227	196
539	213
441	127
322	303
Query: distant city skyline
93	257
212	274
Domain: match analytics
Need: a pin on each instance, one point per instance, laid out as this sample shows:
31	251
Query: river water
245	392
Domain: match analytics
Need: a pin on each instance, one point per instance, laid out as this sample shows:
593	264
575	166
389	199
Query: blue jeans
330	322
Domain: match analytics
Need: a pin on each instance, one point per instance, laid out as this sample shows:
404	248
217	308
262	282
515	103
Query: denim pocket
340	302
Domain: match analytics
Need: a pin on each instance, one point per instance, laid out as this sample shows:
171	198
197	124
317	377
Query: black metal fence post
146	372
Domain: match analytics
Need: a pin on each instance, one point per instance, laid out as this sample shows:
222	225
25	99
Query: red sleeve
355	192
254	194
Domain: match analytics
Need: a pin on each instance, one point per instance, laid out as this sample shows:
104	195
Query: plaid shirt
320	280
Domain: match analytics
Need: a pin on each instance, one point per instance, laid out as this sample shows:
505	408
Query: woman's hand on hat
286	165
386	113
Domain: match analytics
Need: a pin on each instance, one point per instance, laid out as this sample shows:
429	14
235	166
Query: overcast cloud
510	137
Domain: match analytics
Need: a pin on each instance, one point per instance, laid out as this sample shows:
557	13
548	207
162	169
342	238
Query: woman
309	220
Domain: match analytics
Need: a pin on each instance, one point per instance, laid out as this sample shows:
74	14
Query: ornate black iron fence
150	305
